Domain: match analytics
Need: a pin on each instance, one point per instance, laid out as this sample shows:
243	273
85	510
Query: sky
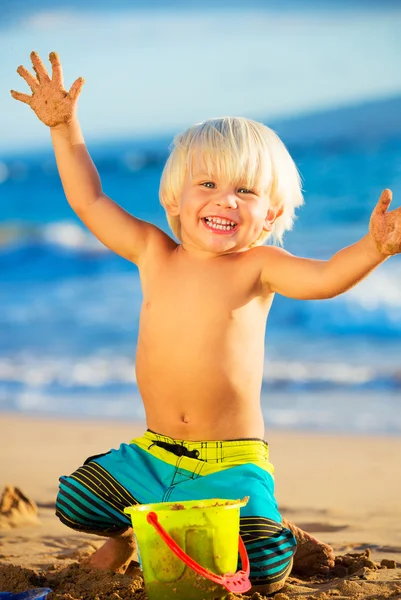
152	72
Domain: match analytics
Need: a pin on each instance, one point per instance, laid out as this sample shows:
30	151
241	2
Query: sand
345	490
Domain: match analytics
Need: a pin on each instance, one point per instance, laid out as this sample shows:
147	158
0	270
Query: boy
227	186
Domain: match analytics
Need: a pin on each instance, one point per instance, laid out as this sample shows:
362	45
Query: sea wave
63	235
355	412
75	282
124	157
102	371
360	412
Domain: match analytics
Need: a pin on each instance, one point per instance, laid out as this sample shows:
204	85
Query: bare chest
209	299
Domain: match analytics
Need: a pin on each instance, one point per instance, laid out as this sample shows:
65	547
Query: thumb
76	88
384	202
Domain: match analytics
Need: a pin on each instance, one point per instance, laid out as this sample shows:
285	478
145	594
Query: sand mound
16	510
360	578
73	583
17	579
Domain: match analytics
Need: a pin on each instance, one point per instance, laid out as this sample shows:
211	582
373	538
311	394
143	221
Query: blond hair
242	151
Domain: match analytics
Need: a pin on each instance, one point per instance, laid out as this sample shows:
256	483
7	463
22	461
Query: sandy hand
50	101
385	227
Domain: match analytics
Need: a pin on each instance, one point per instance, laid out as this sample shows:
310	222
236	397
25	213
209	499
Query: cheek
189	210
257	213
190	207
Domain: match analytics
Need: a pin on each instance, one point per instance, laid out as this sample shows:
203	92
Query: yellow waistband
209	456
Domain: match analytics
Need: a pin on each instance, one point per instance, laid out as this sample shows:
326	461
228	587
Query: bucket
189	550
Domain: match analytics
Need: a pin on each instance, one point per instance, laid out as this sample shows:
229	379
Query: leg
270	548
270	545
93	501
312	556
116	554
271	588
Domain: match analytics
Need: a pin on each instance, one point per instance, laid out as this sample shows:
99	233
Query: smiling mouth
220	225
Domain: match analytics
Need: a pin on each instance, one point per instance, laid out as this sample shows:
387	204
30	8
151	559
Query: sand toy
189	550
34	594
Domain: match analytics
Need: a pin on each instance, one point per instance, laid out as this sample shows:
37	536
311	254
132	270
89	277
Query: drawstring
177	449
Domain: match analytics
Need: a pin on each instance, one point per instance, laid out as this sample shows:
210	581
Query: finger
57	71
21	97
384	201
76	88
29	78
39	68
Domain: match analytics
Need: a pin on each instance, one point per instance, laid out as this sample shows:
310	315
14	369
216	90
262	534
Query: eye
245	191
209	184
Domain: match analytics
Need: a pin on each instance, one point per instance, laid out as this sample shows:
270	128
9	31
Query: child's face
218	216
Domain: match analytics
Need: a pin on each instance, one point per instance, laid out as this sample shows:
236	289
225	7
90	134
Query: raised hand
50	101
385	227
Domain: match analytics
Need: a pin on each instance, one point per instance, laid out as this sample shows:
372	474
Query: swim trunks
157	468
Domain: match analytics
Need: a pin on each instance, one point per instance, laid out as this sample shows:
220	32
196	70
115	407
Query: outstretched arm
56	108
307	279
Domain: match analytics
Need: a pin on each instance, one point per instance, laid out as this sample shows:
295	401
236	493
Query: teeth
219	226
218	223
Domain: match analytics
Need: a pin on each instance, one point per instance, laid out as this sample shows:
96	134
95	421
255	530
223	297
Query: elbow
327	294
319	294
330	295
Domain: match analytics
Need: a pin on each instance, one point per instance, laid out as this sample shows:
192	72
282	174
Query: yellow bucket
189	550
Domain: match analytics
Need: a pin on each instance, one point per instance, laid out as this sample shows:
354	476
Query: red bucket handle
236	582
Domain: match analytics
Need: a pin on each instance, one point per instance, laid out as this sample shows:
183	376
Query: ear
272	215
173	208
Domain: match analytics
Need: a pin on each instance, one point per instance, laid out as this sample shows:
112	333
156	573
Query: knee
74	508
64	499
68	506
81	509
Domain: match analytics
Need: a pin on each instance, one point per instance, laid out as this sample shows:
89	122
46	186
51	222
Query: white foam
70	235
381	289
369	411
98	370
120	406
64	234
92	371
314	371
4	172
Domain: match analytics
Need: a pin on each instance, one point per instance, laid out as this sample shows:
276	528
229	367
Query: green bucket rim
223	503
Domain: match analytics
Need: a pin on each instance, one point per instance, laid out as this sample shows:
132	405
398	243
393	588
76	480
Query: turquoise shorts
157	468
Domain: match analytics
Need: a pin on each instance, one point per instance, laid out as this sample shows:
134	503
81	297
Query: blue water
69	308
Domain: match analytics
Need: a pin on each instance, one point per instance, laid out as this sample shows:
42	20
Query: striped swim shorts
156	468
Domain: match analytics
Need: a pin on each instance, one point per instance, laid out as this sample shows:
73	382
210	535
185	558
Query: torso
200	348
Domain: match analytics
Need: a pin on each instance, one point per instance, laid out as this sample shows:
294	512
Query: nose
227	199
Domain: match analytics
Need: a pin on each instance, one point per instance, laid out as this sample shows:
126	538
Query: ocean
69	308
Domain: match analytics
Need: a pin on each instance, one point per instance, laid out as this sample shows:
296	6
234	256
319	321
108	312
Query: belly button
185	418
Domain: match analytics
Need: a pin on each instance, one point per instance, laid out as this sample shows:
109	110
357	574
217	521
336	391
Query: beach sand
345	490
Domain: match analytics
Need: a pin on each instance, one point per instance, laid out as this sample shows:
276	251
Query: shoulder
158	245
267	255
158	236
268	261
